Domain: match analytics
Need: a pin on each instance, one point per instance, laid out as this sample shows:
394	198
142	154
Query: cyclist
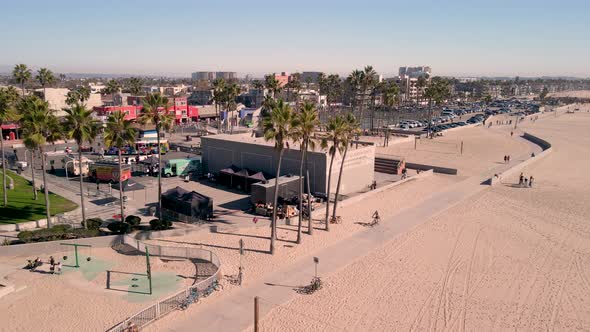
376	217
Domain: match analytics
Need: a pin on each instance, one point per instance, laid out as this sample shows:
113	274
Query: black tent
226	175
255	178
188	203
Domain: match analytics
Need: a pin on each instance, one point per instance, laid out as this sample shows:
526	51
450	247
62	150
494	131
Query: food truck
183	167
109	172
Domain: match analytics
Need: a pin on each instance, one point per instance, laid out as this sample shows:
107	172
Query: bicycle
193	297
215	286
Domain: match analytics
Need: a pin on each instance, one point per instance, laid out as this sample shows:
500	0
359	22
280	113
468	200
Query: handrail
170	303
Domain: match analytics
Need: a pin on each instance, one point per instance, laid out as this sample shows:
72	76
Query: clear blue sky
455	37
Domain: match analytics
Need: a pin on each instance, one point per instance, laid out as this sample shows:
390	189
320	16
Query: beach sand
508	259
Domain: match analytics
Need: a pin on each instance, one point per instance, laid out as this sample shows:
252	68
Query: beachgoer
505	159
532	155
526	182
58	267
511	133
521	179
531	181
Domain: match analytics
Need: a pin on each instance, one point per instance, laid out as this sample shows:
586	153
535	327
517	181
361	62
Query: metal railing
172	302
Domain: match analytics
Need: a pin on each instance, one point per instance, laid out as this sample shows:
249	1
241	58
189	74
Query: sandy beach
509	259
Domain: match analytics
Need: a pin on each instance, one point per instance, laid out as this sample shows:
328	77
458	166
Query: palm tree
135	84
273	85
78	95
351	129
218	97
155	111
277	128
421	83
81	127
112	88
23	105
45	77
368	82
230	94
21	74
40	126
335	131
304	125
8	98
119	133
355	79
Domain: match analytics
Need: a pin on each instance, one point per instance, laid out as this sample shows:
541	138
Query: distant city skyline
456	38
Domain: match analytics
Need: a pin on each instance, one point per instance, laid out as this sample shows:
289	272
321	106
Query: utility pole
256	301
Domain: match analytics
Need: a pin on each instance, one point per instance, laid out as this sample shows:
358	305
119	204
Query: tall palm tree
78	95
45	77
135	84
81	127
303	128
333	141
231	92
351	129
155	111
8	98
368	82
356	79
119	133
218	98
21	74
273	85
277	128
112	88
22	106
41	126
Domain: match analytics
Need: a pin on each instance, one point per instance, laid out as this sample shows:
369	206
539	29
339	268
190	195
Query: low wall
42	248
435	169
547	149
360	197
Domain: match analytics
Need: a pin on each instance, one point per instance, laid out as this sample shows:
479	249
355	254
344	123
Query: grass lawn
21	205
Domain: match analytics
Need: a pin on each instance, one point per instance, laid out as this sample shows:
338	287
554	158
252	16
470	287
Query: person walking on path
531	181
511	133
521	179
505	159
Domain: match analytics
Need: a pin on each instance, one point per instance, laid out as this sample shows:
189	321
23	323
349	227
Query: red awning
8	126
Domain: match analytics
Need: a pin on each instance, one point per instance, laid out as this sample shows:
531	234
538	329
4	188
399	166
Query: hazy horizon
460	38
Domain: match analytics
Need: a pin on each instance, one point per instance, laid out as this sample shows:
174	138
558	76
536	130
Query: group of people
524	182
506	159
54	267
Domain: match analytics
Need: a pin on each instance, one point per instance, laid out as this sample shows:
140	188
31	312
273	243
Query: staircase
389	166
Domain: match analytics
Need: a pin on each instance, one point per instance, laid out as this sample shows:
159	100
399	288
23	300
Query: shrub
93	223
57	232
158	225
119	227
133	221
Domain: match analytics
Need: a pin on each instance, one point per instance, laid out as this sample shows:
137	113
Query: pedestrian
508	158
505	159
526	182
521	179
511	133
531	181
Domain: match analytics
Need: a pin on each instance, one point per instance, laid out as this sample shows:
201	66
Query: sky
455	37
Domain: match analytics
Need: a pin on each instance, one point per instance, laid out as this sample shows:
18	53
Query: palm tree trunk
81	186
339	180
159	174
121	186
302	147
45	189
328	191
309	217
3	168
273	229
33	173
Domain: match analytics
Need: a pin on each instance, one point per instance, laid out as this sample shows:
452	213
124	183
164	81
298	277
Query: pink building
177	106
283	78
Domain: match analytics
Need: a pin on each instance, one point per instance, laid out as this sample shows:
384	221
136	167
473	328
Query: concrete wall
358	171
42	248
547	149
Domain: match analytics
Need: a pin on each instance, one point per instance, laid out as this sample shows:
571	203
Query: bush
93	223
119	227
133	221
159	225
57	232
